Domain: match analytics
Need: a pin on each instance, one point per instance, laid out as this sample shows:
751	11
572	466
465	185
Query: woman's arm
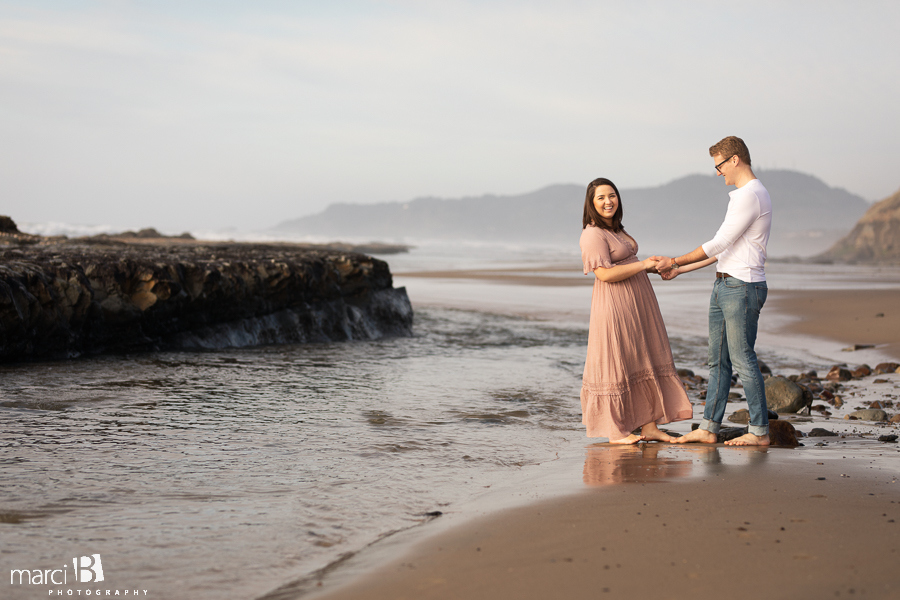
673	273
621	272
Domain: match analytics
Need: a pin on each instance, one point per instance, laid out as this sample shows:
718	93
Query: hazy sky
207	114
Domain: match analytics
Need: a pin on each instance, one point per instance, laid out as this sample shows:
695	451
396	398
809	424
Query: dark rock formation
66	298
7	225
874	239
11	236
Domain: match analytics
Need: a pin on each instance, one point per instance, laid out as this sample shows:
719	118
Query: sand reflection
606	464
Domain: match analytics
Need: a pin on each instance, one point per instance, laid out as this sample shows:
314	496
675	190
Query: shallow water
222	474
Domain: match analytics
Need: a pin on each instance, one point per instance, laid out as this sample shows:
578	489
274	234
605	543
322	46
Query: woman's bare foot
749	439
651	433
631	439
697	436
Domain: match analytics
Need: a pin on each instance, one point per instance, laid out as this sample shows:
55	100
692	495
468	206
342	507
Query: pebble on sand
869	414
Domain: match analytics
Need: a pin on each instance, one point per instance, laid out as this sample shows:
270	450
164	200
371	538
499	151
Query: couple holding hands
629	375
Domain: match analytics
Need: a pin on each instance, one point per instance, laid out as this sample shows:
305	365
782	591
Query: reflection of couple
629	375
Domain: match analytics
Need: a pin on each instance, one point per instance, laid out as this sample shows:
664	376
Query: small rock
735	396
820	432
887	367
850	418
863	370
856	347
763	367
782	433
875	404
729	433
826	395
895	418
786	396
773	416
881	381
741	416
869	414
838	373
888	438
684	372
837	402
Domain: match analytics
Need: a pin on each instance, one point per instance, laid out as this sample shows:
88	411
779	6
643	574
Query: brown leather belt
722	275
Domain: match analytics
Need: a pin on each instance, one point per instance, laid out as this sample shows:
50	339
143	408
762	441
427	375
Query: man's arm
673	273
742	212
665	263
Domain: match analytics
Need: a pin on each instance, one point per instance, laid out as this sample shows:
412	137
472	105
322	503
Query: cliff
874	239
63	298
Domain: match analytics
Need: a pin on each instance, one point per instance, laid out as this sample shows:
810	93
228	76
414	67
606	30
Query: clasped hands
662	267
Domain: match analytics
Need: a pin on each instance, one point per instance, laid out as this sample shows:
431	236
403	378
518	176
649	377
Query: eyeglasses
723	162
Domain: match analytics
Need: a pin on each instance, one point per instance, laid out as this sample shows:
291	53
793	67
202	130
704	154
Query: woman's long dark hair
591	216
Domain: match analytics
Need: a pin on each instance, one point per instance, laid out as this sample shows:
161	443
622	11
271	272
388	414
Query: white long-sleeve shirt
740	243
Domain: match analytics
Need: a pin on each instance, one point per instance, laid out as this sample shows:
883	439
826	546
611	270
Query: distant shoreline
844	316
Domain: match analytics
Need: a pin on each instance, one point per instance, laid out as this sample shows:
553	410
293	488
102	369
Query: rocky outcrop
64	298
874	239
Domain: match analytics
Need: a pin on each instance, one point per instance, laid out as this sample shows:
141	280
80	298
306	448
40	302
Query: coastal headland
61	298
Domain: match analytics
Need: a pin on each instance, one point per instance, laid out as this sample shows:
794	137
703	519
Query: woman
629	375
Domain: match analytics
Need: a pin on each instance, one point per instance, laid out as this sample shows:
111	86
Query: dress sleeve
594	250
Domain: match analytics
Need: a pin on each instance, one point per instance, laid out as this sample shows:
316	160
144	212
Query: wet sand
682	522
847	316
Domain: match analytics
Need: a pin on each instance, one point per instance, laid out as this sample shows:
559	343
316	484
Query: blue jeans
733	316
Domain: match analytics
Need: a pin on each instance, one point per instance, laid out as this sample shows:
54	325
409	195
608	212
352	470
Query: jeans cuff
710	426
759	430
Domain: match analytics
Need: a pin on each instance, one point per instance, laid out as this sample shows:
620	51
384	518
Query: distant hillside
672	218
874	239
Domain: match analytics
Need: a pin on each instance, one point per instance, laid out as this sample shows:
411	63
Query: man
737	297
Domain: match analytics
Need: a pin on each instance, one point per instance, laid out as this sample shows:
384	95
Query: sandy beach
682	521
847	316
697	522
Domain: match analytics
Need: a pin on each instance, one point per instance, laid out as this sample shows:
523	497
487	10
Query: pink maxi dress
629	374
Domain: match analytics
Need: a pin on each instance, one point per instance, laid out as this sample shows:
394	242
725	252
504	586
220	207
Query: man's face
725	168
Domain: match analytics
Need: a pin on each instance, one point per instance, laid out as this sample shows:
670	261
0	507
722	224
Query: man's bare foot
697	436
748	439
631	439
651	433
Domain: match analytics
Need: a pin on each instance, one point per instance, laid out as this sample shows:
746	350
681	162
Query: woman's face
606	201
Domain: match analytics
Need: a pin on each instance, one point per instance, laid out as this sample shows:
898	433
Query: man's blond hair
731	146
